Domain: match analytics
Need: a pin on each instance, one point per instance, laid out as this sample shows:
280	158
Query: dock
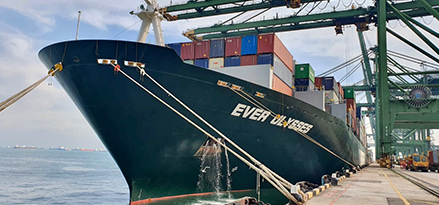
376	185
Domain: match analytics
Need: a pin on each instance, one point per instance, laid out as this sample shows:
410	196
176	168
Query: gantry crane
399	103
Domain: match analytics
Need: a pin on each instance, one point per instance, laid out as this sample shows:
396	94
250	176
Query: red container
270	43
249	60
350	103
187	51
340	90
280	86
318	82
202	49
233	47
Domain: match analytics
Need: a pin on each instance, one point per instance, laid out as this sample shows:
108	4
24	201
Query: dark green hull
154	147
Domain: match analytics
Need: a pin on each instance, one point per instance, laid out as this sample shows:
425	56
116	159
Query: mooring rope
11	100
301	133
263	171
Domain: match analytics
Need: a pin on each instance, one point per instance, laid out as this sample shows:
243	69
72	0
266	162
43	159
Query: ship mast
149	15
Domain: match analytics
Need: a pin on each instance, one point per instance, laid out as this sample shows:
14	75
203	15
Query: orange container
280	86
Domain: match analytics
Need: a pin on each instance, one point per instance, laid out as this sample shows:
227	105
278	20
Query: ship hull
154	147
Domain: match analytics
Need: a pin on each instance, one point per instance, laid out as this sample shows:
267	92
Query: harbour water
42	176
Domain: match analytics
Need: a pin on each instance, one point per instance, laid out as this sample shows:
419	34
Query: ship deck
376	185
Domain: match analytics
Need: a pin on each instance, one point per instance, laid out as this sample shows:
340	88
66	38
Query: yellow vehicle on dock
417	162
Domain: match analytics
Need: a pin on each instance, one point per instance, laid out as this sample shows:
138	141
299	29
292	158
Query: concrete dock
376	185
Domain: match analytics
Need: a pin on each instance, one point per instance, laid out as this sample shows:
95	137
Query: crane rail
432	189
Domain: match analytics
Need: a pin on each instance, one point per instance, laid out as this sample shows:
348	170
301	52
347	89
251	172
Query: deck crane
410	108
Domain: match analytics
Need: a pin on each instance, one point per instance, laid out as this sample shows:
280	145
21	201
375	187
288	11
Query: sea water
44	176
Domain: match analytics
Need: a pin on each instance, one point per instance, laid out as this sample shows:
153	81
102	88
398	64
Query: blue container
302	82
249	45
217	48
359	112
265	59
232	61
204	63
176	47
329	83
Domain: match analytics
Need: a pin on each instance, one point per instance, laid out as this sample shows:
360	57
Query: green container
349	93
304	71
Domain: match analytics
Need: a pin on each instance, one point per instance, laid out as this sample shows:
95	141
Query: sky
47	117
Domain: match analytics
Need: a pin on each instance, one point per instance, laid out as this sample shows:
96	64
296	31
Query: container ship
250	88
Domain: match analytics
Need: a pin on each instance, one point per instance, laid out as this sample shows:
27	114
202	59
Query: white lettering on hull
260	115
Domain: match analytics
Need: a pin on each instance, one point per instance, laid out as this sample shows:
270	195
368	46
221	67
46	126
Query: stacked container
187	51
270	43
233	46
318	83
176	47
249	60
204	63
232	61
249	45
306	74
202	49
279	68
216	48
331	90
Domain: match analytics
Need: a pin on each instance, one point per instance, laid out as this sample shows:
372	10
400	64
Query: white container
190	62
216	63
339	111
258	74
282	71
331	97
314	98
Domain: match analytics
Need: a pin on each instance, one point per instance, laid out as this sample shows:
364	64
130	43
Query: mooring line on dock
279	183
396	189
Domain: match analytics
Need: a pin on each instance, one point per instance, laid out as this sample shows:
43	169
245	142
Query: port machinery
405	106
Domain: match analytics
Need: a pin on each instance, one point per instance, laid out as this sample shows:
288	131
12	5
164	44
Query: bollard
334	179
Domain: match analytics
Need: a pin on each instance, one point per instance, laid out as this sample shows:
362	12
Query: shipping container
249	60
339	111
233	47
304	71
328	108
270	43
280	86
340	90
190	62
216	48
249	45
176	47
202	49
232	61
318	81
204	63
216	62
279	67
349	93
331	97
350	103
302	82
187	51
329	83
314	98
436	156
258	74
